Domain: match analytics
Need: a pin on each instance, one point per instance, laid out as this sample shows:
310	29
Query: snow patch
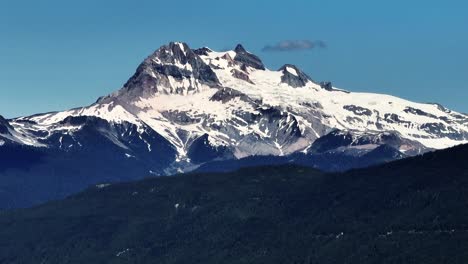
120	253
292	71
103	185
182	48
231	54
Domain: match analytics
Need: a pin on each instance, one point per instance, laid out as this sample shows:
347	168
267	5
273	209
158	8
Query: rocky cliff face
294	77
4	126
172	69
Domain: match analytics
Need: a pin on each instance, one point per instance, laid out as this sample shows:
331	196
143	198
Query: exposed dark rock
248	58
441	129
329	87
230	60
226	94
201	150
316	105
442	108
26	121
357	110
331	141
338	139
353	119
416	111
84	120
394	118
180	117
241	75
202	51
326	85
4	126
293	76
461	117
284	125
239	48
243	68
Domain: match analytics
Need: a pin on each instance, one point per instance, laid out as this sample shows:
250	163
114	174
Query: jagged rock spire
247	58
293	76
239	48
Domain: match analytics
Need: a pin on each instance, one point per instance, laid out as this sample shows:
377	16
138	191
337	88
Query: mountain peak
204	51
288	67
172	53
240	48
247	58
293	76
172	69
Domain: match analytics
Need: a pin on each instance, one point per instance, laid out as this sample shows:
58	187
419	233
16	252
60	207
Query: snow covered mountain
185	107
232	102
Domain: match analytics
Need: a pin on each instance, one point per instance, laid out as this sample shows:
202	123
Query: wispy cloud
295	45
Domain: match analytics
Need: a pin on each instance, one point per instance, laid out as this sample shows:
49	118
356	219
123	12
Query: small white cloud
295	45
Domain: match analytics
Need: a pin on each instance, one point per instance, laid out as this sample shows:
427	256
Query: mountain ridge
184	108
174	64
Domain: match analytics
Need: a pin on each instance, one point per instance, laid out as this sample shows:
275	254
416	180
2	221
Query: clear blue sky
57	54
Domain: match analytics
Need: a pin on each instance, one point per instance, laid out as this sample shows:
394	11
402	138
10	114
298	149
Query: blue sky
56	55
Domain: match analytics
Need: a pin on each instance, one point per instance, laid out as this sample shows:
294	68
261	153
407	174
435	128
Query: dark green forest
409	211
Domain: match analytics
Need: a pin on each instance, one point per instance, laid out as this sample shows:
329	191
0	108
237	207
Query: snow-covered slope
231	106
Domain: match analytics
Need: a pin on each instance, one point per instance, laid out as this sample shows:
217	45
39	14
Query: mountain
186	109
408	211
